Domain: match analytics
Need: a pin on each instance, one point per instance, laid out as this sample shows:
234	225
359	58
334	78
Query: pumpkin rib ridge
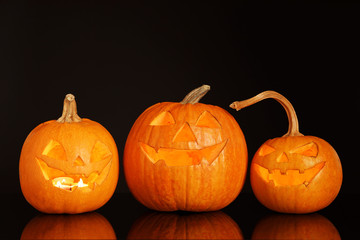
76	139
315	192
184	182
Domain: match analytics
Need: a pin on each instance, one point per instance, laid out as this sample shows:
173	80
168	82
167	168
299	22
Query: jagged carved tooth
160	162
271	182
301	170
91	185
283	171
271	171
204	162
306	183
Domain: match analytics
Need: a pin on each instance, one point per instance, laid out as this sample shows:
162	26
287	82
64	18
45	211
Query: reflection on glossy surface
284	226
81	226
211	225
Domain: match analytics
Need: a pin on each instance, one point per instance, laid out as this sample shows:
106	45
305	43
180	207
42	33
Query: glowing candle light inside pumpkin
58	184
67	183
81	184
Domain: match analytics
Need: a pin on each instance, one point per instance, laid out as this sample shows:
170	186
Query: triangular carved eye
310	150
206	119
163	119
100	152
54	150
265	150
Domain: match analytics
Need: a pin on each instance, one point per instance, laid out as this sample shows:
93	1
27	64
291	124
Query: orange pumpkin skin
313	226
80	226
70	150
293	173
211	225
195	161
312	179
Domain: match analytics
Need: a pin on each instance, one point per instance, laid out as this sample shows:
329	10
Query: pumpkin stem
290	111
195	95
69	113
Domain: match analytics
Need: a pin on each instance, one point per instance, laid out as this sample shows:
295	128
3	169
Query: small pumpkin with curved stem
185	156
69	165
293	173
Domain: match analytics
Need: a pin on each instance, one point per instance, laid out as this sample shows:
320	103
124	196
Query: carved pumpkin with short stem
293	173
69	165
185	156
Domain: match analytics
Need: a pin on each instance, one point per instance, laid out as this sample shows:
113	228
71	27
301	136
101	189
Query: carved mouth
71	182
291	177
183	157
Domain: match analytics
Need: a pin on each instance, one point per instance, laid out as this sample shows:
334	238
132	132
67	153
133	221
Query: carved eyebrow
163	119
266	150
54	150
310	150
206	119
100	152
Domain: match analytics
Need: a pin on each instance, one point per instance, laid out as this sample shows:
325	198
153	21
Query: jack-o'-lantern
80	226
293	173
287	226
185	156
69	165
210	225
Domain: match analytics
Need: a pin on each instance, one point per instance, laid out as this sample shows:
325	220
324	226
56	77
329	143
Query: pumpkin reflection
313	226
211	225
81	226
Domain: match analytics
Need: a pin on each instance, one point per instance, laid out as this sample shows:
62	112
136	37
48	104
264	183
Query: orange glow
291	177
67	183
183	157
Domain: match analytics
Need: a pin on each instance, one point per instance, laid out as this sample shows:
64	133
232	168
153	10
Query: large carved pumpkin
69	165
211	225
185	156
80	226
293	173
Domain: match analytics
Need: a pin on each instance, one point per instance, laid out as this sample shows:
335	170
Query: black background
120	58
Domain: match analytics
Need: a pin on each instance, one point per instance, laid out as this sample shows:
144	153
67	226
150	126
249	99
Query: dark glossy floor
124	217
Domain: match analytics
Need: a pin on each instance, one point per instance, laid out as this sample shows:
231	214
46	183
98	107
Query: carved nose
282	158
184	134
79	162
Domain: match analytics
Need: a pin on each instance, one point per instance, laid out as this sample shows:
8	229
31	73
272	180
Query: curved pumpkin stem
290	111
69	113
195	95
